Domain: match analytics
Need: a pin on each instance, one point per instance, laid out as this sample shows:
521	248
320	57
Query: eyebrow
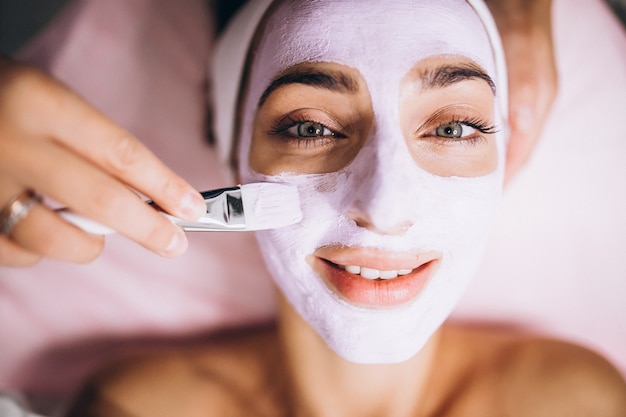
440	77
446	75
329	80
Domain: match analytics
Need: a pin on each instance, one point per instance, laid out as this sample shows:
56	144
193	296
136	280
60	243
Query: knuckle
125	153
171	188
105	198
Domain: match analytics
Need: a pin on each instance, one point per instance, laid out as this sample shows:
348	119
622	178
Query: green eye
454	130
310	130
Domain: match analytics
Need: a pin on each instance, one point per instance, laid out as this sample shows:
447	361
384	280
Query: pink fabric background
555	263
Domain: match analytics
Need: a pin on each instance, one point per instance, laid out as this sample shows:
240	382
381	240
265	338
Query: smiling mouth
369	287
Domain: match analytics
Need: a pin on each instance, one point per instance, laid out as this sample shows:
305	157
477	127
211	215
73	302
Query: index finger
78	126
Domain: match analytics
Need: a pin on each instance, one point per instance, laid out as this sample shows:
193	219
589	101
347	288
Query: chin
383	335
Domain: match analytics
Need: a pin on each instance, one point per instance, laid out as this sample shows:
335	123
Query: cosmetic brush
247	207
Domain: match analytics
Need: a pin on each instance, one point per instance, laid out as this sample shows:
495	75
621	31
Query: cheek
474	159
260	157
271	155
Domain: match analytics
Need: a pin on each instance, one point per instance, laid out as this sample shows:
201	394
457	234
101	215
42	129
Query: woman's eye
310	130
454	130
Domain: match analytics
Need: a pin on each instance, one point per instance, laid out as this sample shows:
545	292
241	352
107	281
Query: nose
386	190
363	220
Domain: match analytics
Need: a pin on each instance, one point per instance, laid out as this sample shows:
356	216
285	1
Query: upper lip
375	258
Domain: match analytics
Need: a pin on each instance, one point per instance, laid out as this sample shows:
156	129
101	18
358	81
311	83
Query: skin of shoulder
566	379
479	372
231	374
514	375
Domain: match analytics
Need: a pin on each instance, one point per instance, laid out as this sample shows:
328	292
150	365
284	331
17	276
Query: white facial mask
448	216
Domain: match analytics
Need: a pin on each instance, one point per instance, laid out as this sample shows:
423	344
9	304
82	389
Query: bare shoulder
519	375
227	375
561	377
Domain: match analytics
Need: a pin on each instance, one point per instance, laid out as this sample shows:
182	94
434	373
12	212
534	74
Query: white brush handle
88	225
92	226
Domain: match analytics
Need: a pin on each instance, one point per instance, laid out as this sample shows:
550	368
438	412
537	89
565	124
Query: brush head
268	205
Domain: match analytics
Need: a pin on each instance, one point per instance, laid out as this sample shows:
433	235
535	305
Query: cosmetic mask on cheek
450	216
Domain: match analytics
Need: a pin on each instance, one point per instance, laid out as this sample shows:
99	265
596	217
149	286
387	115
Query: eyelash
482	126
478	124
281	126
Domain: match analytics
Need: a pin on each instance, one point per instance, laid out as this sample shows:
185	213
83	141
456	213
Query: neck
323	384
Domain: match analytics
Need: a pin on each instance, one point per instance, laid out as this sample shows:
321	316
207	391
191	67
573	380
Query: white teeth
371	273
353	269
388	274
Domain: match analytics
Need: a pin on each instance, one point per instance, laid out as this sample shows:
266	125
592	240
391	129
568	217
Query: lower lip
375	293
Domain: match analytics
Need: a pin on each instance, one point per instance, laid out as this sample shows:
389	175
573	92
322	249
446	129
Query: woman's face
383	114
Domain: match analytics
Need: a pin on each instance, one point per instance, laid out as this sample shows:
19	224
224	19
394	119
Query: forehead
373	36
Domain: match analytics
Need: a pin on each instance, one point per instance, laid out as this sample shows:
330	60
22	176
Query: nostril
391	229
360	220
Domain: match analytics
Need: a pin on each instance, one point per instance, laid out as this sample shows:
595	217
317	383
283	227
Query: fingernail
177	246
193	205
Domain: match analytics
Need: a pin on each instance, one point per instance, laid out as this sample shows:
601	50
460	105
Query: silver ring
16	210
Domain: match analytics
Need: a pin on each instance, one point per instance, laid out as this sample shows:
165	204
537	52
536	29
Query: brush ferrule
224	211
